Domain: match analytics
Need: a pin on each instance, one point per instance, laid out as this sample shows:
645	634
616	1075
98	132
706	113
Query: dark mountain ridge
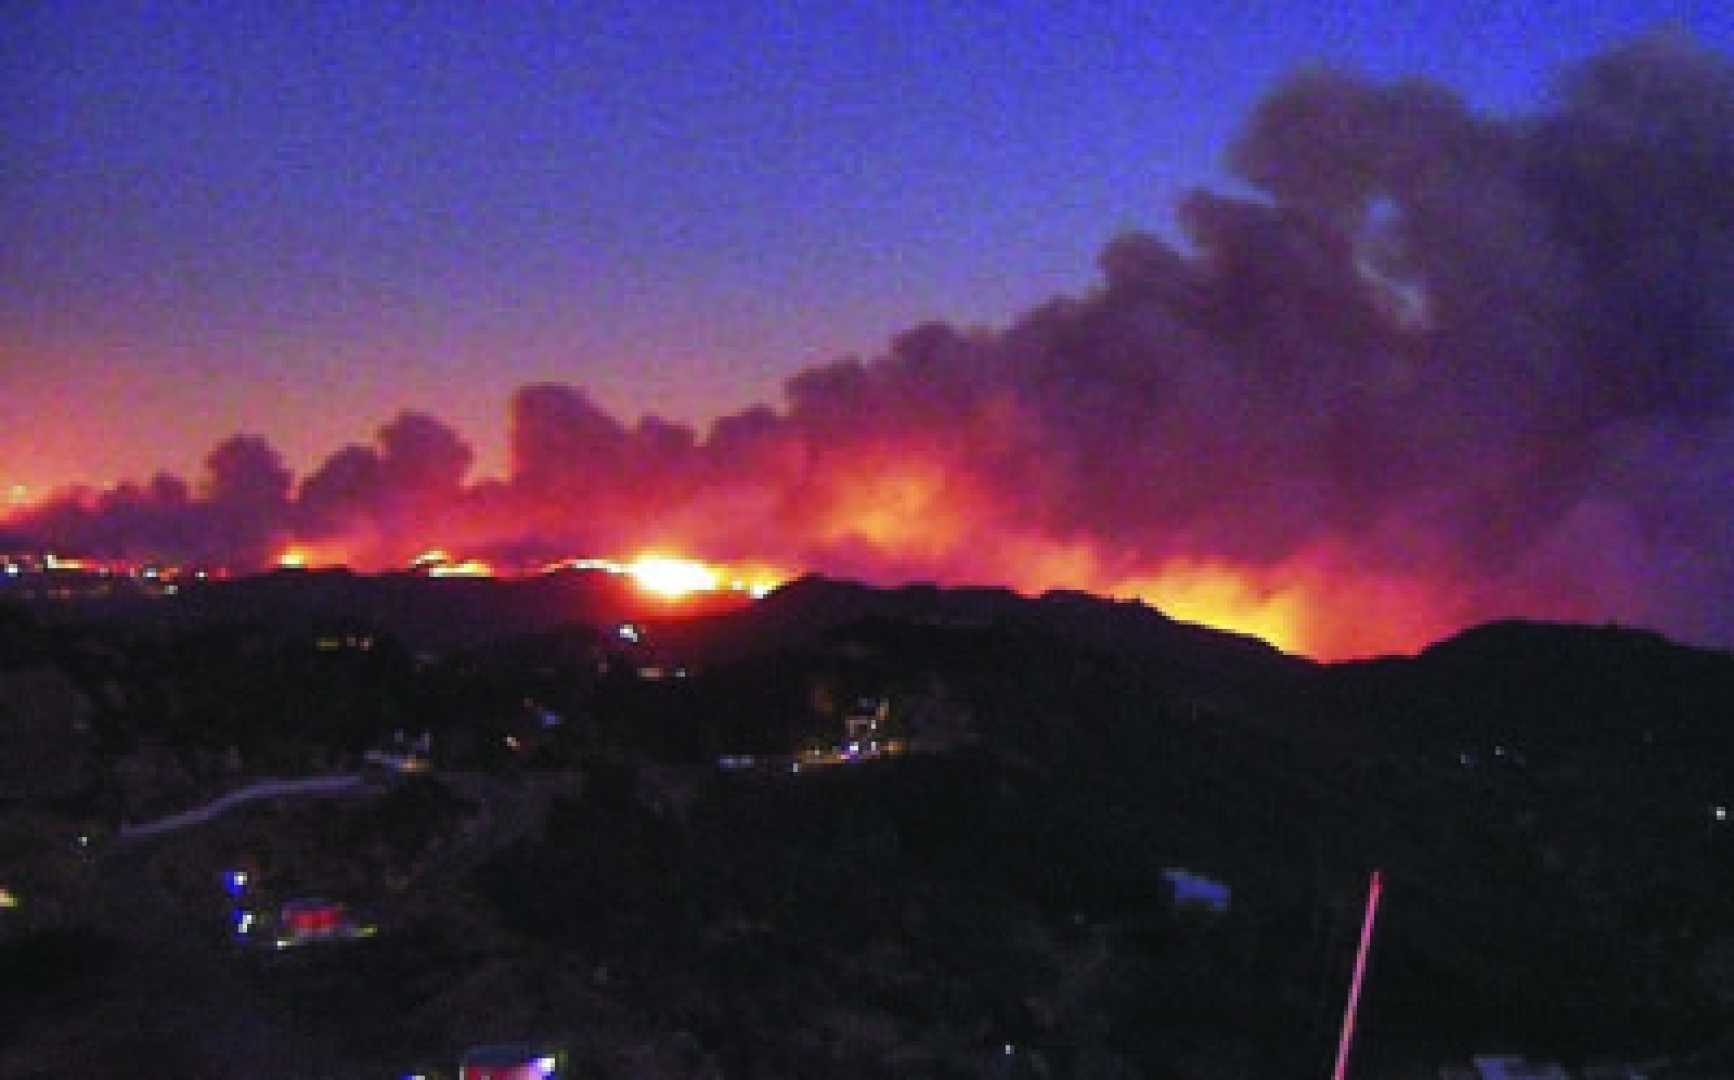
1543	799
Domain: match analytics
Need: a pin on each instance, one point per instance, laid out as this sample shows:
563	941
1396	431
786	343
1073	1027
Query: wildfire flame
468	568
302	556
1347	466
1299	606
672	577
1289	605
1219	596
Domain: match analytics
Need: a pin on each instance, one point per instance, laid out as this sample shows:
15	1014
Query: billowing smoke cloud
241	507
413	481
1439	367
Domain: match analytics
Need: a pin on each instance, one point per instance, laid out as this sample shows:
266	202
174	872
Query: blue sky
295	219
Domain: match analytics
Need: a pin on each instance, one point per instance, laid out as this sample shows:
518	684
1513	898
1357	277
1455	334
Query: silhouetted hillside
806	610
433	614
1543	690
1550	806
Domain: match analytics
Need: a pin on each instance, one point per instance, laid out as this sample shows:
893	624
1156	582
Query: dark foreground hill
422	613
1548	803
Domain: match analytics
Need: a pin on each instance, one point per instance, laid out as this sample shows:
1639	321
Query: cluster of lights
156	576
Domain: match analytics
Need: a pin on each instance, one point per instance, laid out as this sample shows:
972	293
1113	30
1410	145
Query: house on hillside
513	1061
869	719
402	756
309	921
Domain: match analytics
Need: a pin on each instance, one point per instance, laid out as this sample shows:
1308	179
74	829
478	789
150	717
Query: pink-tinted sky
1373	320
297	220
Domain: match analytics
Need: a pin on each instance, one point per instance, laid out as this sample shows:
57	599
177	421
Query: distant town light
1721	813
8	898
547	1064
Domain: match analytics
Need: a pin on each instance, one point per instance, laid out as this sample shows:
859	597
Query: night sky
1344	325
296	220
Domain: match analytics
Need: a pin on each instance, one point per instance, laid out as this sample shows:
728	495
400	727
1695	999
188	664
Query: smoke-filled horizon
1434	368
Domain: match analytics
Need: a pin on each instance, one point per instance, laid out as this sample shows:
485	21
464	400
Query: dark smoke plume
1442	366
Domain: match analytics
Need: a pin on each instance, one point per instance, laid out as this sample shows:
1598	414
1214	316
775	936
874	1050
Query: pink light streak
1375	886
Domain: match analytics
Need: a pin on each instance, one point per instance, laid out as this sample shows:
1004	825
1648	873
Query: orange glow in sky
904	507
1218	595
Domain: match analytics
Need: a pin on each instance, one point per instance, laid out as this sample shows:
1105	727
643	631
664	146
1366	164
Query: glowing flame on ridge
467	568
672	577
303	556
1225	598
